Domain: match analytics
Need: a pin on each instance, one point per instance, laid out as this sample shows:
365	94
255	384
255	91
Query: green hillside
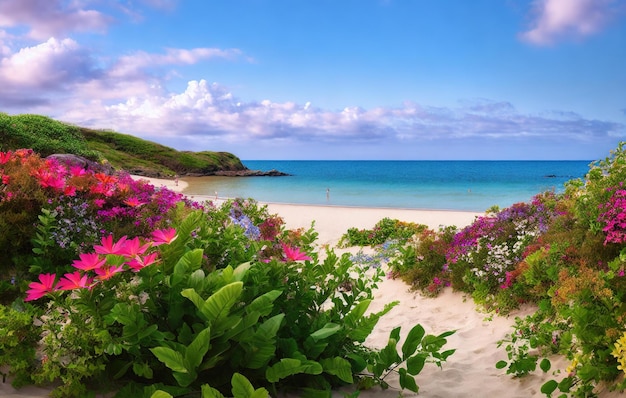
126	152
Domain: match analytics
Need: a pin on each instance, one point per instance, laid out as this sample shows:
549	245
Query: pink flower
77	171
105	273
69	191
74	281
38	290
88	261
5	157
161	236
138	262
133	247
108	247
294	253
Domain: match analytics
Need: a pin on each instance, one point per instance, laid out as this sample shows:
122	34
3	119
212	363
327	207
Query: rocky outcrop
70	160
250	173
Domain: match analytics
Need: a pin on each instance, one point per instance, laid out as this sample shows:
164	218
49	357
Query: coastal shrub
384	230
138	290
50	212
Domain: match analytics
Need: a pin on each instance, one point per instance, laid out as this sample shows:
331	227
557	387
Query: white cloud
556	20
50	65
46	18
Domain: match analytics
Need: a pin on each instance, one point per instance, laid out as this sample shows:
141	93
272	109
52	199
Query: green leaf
545	364
241	271
328	330
415	364
264	304
351	319
407	381
269	328
210	392
161	394
219	304
290	366
172	359
413	340
188	263
198	348
501	364
549	387
242	388
339	367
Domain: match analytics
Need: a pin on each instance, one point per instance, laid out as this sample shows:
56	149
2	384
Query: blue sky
327	79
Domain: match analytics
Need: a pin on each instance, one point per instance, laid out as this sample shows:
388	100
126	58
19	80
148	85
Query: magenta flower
39	289
74	281
88	261
138	262
108	247
161	236
133	247
294	253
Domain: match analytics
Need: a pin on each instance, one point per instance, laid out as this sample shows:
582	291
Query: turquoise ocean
445	185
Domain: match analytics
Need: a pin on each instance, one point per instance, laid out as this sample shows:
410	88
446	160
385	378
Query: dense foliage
124	152
117	285
563	253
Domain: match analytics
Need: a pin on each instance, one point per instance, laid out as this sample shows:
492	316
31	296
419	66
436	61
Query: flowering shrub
614	216
384	230
149	292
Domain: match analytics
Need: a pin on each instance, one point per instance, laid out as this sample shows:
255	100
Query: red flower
88	261
6	179
38	290
161	236
74	281
294	253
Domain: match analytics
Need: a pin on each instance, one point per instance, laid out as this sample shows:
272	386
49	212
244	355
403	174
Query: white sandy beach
470	371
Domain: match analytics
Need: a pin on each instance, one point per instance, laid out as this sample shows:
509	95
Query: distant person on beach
176	179
327	194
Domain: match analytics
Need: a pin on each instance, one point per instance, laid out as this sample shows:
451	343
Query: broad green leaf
242	388
188	263
501	364
241	271
172	359
545	364
198	348
290	366
549	387
407	381
413	340
210	392
352	318
197	300
264	304
161	394
270	327
358	362
339	367
395	334
219	304
415	364
328	330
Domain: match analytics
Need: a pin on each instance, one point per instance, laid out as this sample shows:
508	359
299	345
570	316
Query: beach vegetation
47	136
563	255
111	284
384	230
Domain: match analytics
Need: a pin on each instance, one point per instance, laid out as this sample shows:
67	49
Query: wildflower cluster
109	259
613	216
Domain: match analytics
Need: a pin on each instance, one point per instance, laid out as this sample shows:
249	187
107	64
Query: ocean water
445	185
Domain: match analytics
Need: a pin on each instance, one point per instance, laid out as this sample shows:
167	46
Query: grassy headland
47	136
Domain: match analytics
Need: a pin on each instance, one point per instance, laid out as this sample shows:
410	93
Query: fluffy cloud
560	19
211	112
48	18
